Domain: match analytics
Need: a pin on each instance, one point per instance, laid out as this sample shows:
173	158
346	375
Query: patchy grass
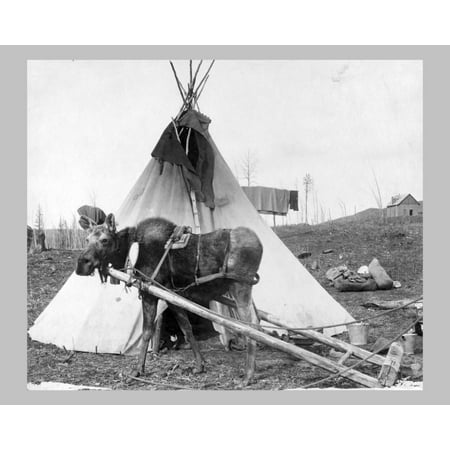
397	245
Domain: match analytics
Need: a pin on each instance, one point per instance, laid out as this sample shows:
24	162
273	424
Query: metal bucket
358	333
409	343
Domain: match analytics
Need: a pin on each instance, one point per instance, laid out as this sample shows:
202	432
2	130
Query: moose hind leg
149	305
242	294
186	328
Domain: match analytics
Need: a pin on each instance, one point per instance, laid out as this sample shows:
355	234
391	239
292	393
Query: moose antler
86	222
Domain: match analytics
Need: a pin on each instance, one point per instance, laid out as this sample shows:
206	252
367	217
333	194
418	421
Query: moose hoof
247	381
136	373
198	369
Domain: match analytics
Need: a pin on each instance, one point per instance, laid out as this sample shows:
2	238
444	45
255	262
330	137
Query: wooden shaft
249	331
161	261
337	344
331	342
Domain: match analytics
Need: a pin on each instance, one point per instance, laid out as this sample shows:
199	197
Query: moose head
102	244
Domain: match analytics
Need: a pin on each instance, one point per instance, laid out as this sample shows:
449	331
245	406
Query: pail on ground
358	333
409	343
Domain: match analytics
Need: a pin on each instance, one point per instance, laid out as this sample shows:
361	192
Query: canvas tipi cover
89	316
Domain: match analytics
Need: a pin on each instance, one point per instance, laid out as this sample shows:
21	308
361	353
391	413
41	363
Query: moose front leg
149	305
185	326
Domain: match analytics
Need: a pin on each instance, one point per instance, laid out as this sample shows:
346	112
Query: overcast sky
92	126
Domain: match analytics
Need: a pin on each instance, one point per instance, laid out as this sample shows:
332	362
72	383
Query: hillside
398	245
369	214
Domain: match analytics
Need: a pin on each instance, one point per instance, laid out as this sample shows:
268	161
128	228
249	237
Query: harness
178	240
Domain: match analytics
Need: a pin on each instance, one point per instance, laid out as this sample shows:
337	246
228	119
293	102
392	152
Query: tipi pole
195	212
192	194
249	331
179	85
203	80
196	73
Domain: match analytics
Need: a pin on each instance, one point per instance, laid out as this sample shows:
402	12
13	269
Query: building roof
399	198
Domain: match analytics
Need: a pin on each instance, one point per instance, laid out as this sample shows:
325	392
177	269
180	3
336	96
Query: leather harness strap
198	280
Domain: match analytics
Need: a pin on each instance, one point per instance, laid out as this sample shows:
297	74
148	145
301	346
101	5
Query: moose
234	253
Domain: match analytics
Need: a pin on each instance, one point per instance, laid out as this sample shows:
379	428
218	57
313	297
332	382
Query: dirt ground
397	245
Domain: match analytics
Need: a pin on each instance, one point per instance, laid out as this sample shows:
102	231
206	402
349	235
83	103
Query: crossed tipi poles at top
191	95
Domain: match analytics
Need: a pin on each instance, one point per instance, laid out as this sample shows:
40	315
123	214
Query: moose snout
85	265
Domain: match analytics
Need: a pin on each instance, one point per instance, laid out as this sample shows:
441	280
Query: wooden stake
249	331
389	370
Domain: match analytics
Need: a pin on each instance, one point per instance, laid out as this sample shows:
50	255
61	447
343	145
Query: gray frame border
13	110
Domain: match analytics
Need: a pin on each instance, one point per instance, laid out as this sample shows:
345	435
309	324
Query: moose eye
104	241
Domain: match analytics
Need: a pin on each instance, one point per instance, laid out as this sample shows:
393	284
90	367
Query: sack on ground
344	285
383	280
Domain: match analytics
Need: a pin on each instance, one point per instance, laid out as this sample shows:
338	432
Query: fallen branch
392	304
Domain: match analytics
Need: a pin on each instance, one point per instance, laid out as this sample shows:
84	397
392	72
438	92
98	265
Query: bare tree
39	225
39	219
323	217
343	208
307	183
301	209
249	167
315	207
376	192
63	234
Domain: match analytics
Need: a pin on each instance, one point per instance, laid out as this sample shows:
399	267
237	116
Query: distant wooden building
404	205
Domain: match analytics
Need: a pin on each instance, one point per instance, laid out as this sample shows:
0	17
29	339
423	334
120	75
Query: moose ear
110	222
86	223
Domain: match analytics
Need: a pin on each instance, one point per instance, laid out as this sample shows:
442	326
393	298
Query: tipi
89	316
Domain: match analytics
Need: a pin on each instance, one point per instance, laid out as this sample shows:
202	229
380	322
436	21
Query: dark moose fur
244	249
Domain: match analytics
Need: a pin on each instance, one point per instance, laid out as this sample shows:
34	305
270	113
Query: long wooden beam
337	344
249	331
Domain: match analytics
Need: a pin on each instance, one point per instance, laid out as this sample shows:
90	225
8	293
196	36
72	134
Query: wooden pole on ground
337	344
249	331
